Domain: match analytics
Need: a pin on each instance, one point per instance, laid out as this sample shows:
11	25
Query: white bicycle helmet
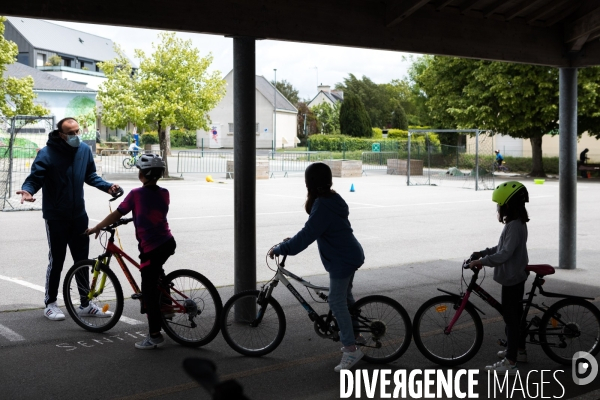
152	165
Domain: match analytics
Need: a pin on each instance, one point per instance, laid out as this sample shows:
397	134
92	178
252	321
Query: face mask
73	140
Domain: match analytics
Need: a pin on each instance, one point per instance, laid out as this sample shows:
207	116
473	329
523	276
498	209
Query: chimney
325	88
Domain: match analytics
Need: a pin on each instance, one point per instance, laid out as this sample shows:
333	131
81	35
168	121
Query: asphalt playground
414	237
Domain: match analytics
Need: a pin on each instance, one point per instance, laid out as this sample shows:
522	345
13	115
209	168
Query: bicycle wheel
385	325
245	332
569	326
199	324
107	295
128	163
447	349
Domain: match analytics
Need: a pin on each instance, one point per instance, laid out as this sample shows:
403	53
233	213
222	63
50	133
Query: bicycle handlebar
117	194
122	221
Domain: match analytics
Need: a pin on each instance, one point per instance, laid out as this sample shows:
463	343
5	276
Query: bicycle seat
541	269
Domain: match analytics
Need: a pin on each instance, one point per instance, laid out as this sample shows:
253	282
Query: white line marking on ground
10	334
130	321
27	284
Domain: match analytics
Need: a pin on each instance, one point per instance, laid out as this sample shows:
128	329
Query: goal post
469	164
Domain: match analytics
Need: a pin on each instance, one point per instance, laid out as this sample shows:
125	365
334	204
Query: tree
354	120
311	121
514	99
286	89
399	120
328	117
375	98
172	87
16	94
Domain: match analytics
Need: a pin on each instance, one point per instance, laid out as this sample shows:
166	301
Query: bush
354	120
397	134
348	143
149	138
183	138
112	139
377	133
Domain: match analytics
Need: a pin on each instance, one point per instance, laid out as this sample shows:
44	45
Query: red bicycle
190	304
448	329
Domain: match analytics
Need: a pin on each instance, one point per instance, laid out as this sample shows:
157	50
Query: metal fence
203	161
216	161
118	162
295	161
377	160
21	137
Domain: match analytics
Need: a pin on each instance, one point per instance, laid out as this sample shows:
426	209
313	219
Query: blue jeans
340	299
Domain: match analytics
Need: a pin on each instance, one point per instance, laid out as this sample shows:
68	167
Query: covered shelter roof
559	33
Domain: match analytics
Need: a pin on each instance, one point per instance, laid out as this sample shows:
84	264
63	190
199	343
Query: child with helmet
509	259
150	205
340	252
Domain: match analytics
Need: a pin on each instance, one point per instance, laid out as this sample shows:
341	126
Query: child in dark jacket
340	252
150	205
509	259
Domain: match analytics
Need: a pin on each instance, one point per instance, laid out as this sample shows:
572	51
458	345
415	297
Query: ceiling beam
402	10
583	26
516	11
493	8
468	6
351	23
547	10
577	45
442	4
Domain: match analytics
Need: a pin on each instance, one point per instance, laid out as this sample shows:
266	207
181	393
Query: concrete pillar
567	220
244	153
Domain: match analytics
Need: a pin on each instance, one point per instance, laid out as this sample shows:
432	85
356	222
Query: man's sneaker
349	359
52	312
521	356
150	343
503	366
93	311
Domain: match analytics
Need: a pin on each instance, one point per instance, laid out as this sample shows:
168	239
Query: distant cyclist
499	161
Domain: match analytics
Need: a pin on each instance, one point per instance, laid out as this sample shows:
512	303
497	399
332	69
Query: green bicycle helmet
509	190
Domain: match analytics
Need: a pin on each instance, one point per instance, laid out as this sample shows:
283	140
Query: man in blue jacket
60	169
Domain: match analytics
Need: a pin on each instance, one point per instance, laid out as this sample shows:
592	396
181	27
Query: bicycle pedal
136	296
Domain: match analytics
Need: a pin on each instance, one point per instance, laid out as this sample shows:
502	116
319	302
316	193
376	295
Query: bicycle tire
244	338
389	329
127	163
449	350
200	324
110	299
577	323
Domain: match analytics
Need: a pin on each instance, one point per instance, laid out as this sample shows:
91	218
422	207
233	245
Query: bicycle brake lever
117	194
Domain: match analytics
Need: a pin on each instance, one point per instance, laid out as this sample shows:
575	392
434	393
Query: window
23	58
41	60
231	128
67	62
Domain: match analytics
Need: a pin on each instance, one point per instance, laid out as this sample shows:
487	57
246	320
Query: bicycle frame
489	299
120	255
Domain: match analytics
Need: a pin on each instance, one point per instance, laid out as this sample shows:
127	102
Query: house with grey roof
38	41
326	95
271	106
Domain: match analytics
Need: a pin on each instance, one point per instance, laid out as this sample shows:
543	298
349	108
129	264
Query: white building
223	130
326	95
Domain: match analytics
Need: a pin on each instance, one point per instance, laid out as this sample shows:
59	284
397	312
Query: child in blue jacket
340	252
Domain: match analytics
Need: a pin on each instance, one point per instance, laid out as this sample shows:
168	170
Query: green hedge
377	133
183	138
348	143
397	134
149	138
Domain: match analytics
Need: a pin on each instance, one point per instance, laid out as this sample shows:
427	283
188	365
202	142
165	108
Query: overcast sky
295	62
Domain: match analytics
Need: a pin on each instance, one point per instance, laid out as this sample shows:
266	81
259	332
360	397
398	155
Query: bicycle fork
462	306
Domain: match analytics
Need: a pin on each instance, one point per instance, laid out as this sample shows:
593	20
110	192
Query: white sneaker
53	313
349	358
521	355
503	366
93	311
